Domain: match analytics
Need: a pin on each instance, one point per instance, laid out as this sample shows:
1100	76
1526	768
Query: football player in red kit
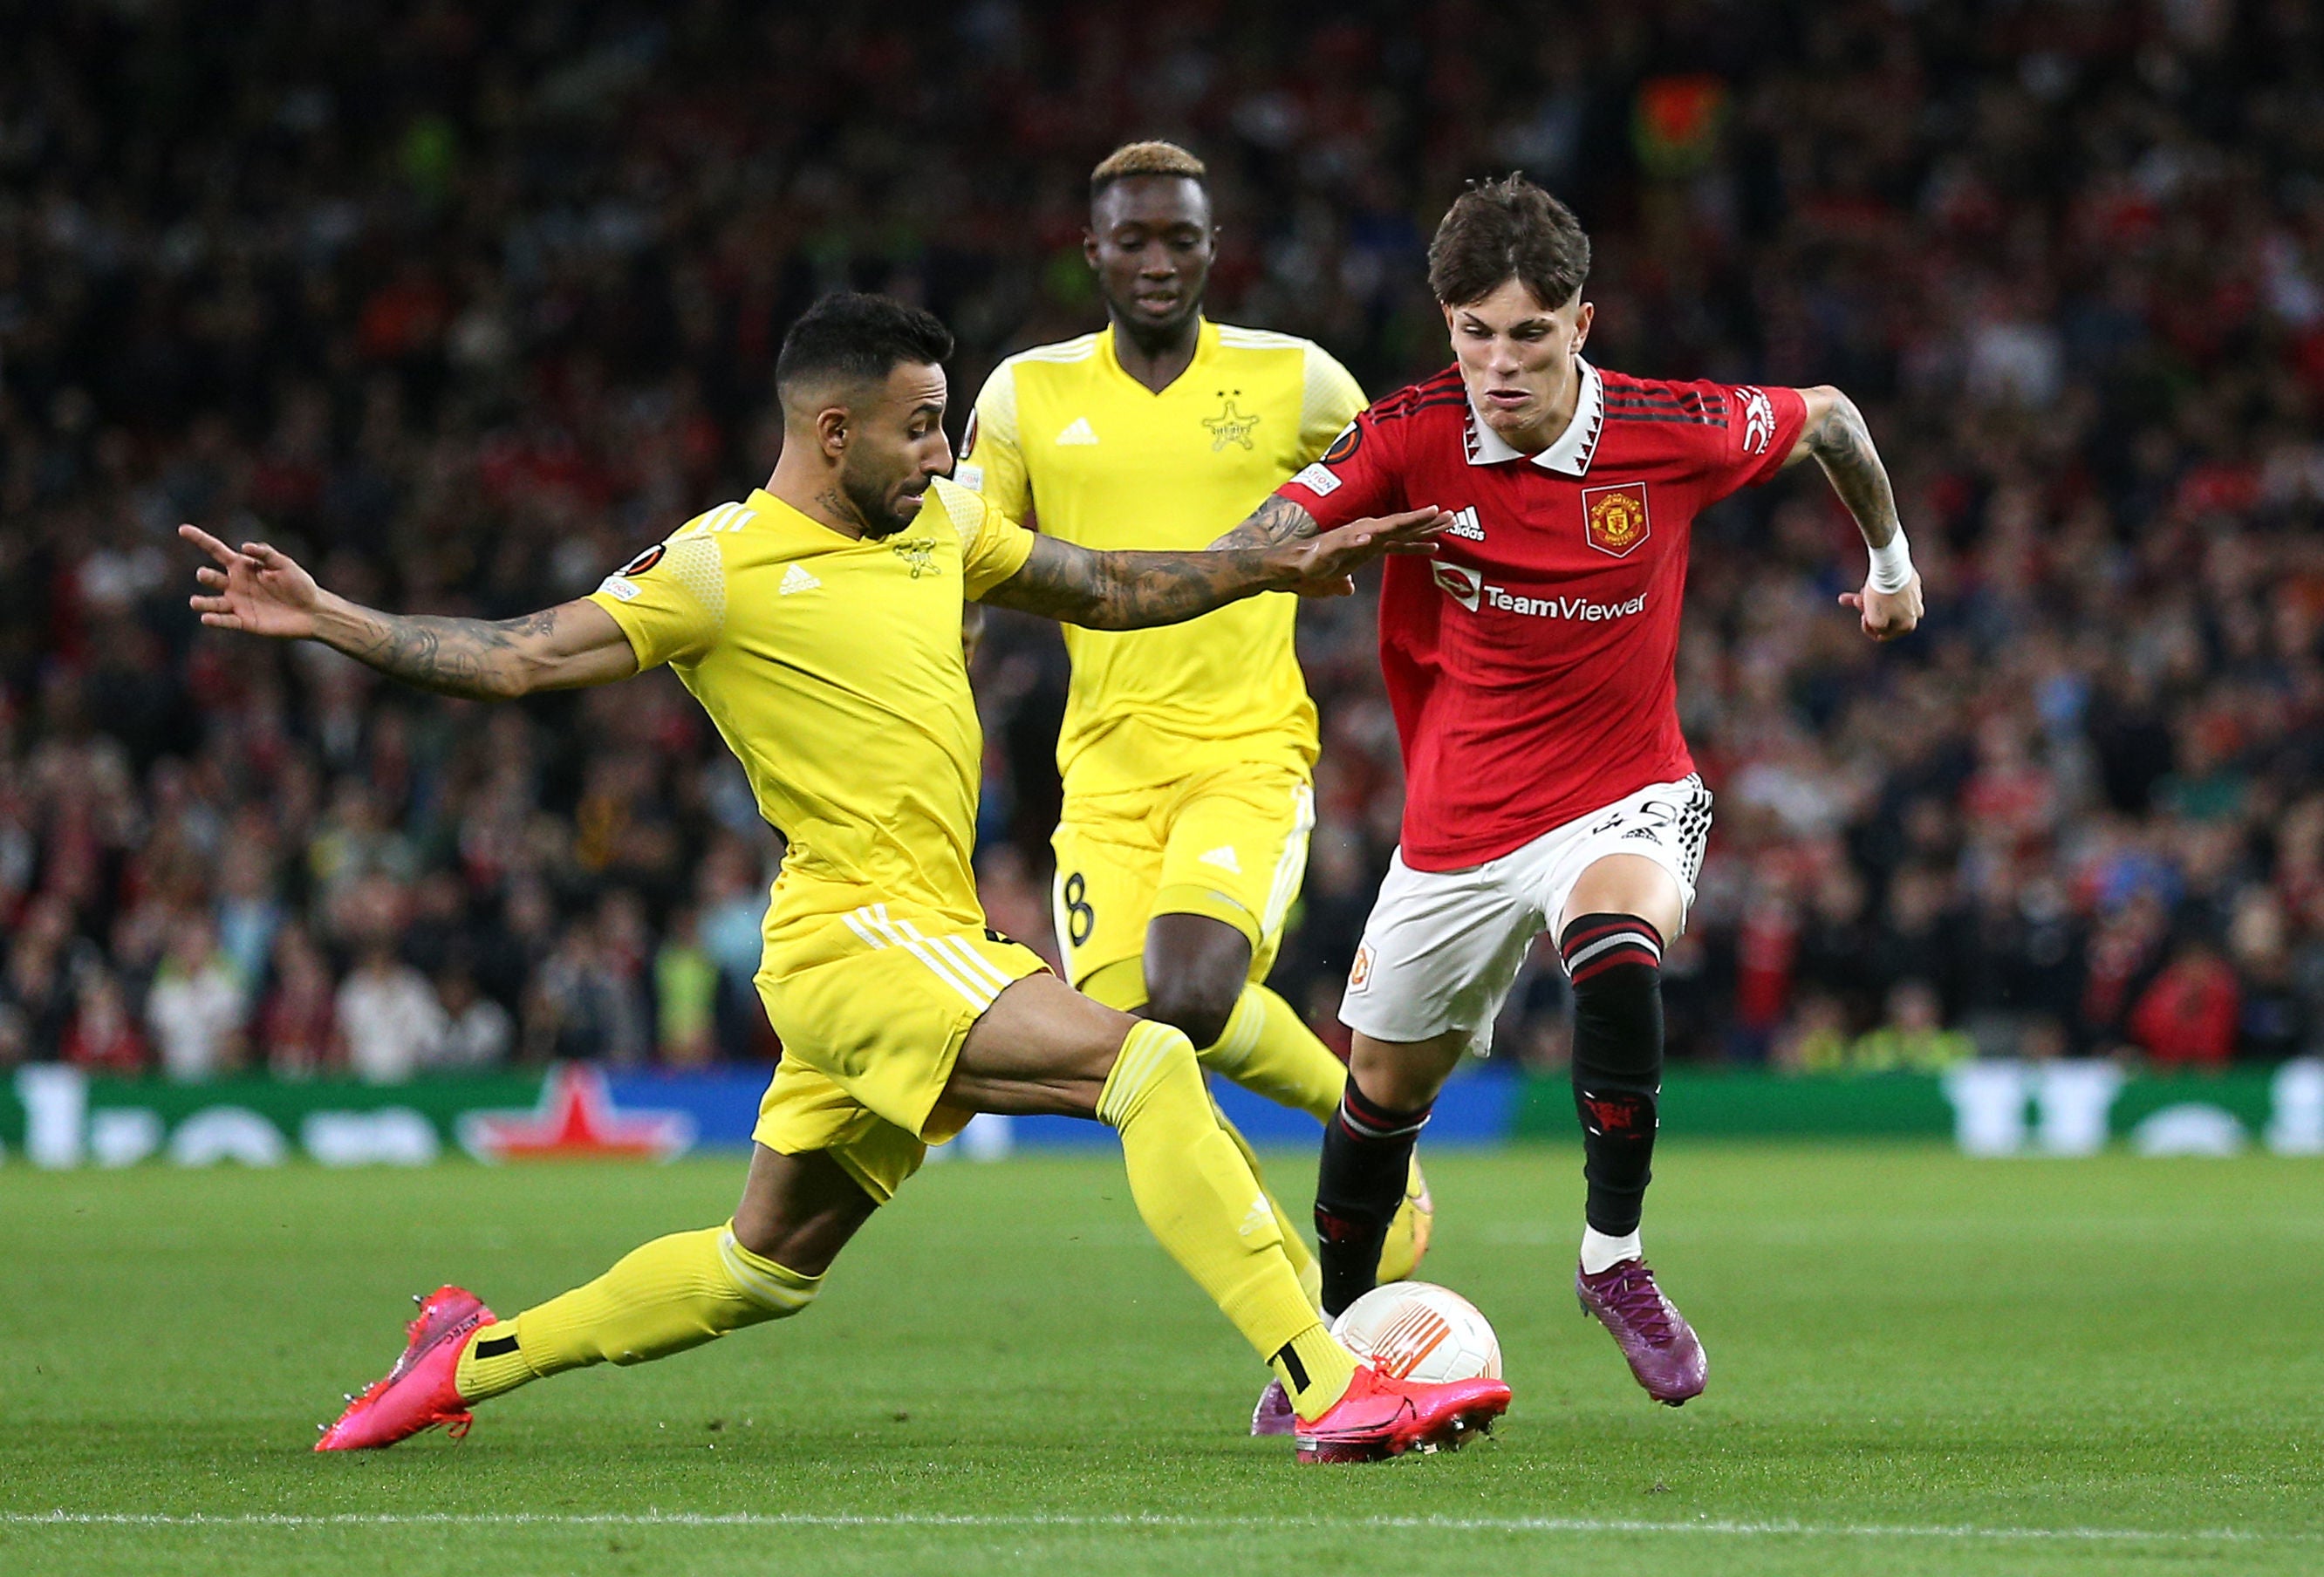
1531	667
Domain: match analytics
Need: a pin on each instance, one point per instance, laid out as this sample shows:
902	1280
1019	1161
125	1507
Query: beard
874	508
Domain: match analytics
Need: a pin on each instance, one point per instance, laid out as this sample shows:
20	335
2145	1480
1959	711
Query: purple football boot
1273	1416
1653	1335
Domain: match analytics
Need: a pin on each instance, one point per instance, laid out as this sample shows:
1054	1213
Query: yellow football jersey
833	669
1065	438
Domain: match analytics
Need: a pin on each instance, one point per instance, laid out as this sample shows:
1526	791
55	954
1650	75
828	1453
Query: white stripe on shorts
873	919
1293	862
976	965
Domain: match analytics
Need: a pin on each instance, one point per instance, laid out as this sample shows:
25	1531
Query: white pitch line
1580	1524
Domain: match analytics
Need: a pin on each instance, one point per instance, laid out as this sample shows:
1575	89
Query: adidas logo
1078	433
796	580
1466	524
1258	1219
1224	857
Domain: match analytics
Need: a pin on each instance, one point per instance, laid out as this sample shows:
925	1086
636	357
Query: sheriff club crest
1615	518
920	552
1229	425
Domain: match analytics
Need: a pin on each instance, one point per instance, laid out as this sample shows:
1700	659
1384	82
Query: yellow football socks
1200	1200
1123	985
1295	1246
675	1293
1267	1048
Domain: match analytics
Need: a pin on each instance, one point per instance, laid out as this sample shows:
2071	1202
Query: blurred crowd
464	303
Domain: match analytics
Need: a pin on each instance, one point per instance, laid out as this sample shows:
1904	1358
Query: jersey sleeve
1762	426
1356	475
992	459
993	546
1334	397
670	600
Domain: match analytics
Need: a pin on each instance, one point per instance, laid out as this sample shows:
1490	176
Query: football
1418	1331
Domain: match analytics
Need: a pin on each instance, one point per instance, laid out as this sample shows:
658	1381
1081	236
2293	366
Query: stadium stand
468	303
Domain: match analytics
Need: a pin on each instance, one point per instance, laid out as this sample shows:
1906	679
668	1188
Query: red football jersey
1532	664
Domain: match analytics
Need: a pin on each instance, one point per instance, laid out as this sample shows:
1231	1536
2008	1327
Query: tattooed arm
263	591
1278	520
1135	591
1835	434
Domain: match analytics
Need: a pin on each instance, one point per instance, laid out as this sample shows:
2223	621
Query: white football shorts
1443	947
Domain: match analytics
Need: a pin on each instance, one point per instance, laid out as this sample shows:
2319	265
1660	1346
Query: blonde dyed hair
1135	159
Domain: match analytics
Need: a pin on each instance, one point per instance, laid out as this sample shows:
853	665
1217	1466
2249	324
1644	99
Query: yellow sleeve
1334	399
998	551
993	546
991	460
670	600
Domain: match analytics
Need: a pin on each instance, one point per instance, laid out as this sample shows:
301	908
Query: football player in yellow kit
1186	752
818	622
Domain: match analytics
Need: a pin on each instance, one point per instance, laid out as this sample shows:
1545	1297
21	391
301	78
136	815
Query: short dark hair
860	337
1131	160
1507	229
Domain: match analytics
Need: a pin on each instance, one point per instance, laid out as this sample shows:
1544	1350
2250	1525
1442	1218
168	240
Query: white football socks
1601	1253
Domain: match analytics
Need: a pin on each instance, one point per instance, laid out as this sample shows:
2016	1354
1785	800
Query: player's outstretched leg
1269	1049
1203	963
1615	963
674	1293
1344	1412
1038	1048
1123	985
1266	1048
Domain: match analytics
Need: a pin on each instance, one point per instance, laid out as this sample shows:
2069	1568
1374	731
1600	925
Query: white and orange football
1418	1331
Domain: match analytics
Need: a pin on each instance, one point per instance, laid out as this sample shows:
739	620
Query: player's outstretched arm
263	591
1835	434
1278	520
1136	591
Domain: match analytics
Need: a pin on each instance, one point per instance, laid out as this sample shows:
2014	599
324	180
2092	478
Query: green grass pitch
1919	1364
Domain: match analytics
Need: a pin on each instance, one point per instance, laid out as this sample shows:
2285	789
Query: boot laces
1633	1296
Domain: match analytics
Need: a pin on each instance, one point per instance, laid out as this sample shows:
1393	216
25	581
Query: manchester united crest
1615	518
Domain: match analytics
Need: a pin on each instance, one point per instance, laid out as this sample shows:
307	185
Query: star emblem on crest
575	1117
1229	425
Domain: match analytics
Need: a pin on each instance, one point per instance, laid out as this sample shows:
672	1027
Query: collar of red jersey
1570	454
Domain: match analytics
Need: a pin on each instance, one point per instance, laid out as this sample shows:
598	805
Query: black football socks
1367	1154
1615	963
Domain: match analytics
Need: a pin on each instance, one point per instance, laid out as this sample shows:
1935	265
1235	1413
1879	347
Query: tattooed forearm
1278	520
1132	591
469	658
1843	445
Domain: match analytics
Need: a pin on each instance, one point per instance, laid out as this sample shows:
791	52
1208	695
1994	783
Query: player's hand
1885	616
1324	566
260	590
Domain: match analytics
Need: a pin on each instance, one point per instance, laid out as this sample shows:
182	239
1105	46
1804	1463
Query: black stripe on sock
498	1347
1297	1371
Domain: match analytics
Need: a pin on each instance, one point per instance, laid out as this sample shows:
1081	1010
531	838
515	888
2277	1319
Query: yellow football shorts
872	1007
1230	842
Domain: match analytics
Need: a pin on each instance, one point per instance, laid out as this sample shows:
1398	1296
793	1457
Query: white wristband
1892	566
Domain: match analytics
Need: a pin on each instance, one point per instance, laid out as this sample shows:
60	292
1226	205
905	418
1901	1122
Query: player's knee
1631	886
765	1288
1403	1076
1152	1055
1197	1001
